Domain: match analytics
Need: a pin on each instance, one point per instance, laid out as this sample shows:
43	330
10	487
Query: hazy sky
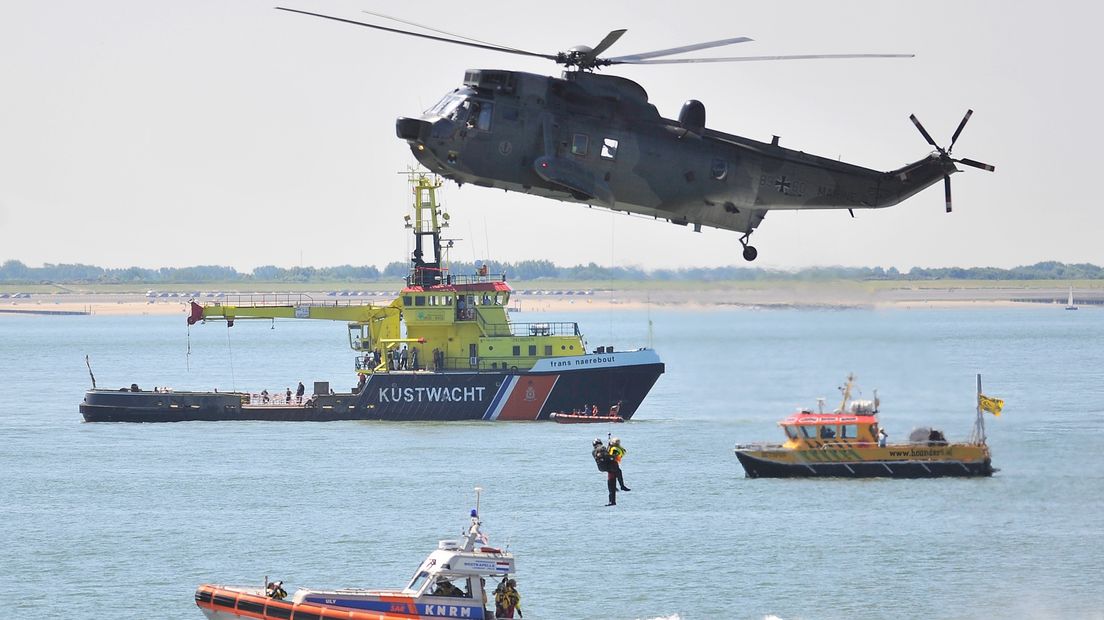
212	132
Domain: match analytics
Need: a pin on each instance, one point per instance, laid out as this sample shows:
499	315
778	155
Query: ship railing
530	329
435	276
758	446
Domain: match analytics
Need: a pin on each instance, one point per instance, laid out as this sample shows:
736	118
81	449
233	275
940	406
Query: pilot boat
450	583
849	443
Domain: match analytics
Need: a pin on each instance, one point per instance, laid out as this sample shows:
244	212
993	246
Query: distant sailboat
1069	304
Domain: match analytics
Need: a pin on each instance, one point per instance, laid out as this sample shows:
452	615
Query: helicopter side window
720	169
609	148
579	144
485	112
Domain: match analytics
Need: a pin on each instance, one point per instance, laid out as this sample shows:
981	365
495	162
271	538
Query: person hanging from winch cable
604	460
616	451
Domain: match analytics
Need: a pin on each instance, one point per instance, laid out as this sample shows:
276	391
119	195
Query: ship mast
978	434
426	270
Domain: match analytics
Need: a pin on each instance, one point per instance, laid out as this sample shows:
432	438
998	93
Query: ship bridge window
791	432
809	432
849	431
827	432
419	300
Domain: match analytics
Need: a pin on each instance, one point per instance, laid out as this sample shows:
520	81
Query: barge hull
407	396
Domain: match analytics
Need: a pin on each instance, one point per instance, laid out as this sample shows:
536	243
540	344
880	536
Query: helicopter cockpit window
609	148
579	143
446	106
720	169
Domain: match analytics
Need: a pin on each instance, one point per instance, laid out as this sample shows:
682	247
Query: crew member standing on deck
299	391
616	451
507	600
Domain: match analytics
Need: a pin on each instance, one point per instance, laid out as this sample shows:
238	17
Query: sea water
124	520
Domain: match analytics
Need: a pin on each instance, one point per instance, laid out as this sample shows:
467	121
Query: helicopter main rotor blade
923	132
679	50
947	190
424	36
976	164
969	113
439	31
670	61
610	39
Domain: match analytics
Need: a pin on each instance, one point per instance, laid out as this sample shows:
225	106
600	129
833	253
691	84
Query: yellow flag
992	405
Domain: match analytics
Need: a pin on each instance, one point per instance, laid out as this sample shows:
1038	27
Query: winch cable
230	353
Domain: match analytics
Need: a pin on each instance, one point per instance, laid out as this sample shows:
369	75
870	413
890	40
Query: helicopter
594	139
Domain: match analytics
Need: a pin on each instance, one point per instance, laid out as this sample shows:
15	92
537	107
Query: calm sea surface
124	520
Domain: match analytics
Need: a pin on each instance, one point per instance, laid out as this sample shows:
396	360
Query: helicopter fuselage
595	139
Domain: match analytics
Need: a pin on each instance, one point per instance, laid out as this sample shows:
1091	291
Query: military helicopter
595	139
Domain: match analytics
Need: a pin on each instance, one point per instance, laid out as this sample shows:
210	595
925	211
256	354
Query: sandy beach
703	297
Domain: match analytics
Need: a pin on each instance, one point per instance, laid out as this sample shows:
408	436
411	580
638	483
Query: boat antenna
89	364
478	490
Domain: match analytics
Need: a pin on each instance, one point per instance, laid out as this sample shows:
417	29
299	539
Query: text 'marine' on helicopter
595	139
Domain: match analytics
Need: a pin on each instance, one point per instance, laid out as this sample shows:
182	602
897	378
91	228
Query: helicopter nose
412	129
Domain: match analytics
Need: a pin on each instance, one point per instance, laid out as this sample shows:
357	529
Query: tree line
15	272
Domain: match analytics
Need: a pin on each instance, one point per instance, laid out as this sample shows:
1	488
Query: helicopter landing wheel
749	251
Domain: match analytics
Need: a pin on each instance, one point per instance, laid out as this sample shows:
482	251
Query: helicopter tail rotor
945	154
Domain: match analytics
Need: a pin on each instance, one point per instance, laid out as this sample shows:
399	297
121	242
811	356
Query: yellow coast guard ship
850	443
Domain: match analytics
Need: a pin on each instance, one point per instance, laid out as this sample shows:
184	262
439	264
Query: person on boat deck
413	358
616	451
404	355
594	410
287	397
361	381
883	437
507	600
615	410
299	391
446	588
605	463
826	432
264	397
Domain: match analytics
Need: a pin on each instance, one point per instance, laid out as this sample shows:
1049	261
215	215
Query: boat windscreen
418	582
